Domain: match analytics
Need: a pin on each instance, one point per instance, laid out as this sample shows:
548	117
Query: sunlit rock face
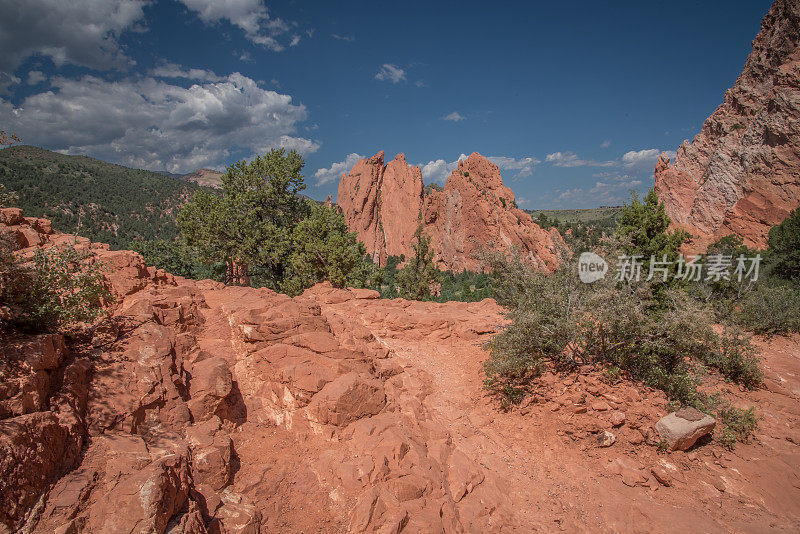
741	174
384	204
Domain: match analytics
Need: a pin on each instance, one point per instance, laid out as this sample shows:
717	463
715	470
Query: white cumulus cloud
334	172
36	76
643	161
454	117
570	159
524	166
150	123
439	170
171	70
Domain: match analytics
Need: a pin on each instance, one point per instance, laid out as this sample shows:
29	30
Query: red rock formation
382	203
741	174
204	408
475	209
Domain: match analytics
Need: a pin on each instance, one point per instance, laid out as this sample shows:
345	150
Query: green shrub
784	246
771	308
558	321
177	258
736	359
736	425
58	290
644	227
416	280
465	286
324	248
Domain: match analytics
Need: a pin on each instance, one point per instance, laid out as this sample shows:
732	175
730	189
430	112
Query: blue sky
573	100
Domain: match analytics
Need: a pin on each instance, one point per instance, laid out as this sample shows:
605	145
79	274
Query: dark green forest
102	201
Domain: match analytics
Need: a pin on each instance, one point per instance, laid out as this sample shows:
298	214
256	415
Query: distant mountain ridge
102	201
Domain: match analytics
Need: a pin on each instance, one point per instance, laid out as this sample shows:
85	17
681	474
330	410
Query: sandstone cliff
741	173
384	204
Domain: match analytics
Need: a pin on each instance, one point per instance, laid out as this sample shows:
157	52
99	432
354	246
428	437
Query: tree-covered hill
102	201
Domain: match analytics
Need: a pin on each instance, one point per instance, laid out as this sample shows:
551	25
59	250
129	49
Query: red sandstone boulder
10	216
26	373
34	449
211	454
123	485
210	384
348	398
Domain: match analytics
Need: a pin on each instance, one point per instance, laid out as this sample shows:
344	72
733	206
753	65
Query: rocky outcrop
205	178
385	203
179	415
741	173
198	408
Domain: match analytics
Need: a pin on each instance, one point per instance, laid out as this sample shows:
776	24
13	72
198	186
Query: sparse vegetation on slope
654	334
104	202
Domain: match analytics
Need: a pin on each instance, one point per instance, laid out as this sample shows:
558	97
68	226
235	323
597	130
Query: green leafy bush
737	424
644	227
558	321
725	294
177	258
771	308
784	246
465	286
58	290
324	248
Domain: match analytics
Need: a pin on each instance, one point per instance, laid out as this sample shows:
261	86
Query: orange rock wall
741	173
384	203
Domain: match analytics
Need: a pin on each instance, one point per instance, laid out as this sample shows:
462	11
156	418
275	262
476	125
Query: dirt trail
556	480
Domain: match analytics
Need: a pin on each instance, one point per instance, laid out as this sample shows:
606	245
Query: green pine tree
416	279
251	223
324	248
644	225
